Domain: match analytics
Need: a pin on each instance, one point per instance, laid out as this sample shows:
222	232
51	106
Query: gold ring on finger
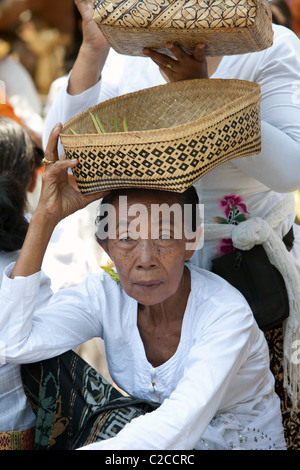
47	162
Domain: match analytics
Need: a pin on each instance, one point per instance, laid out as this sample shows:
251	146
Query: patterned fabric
291	419
17	440
74	405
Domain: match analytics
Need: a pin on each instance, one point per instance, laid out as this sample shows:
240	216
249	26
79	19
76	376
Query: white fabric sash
259	230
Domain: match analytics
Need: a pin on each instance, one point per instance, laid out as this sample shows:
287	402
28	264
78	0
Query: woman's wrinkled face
147	245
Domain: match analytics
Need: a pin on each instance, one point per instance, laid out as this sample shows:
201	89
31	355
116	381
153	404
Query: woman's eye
167	233
165	236
125	238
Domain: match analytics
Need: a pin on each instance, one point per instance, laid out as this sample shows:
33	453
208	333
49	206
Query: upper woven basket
225	26
176	133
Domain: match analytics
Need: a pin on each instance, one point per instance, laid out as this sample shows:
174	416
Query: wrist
44	222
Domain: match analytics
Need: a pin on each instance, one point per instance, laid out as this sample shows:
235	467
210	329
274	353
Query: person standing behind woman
19	158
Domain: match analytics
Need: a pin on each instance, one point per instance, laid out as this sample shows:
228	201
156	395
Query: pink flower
226	203
225	246
235	211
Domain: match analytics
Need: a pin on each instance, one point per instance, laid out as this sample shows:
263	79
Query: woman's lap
74	405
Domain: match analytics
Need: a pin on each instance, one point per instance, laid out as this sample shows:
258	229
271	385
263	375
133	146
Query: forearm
93	52
87	69
30	330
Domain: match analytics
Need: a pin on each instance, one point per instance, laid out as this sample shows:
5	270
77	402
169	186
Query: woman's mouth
148	285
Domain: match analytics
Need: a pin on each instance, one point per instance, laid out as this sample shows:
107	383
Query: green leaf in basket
95	123
100	128
73	132
100	124
125	125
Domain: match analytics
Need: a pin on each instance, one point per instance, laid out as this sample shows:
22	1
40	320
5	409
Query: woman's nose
147	253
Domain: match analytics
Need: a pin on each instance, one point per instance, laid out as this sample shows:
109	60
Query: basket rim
252	94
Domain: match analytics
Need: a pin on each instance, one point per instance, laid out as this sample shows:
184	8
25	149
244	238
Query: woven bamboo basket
225	26
177	133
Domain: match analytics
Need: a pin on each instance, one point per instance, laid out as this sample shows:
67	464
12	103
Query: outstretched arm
81	89
58	200
91	58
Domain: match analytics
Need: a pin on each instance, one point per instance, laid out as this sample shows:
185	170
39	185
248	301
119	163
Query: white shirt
221	363
15	412
262	179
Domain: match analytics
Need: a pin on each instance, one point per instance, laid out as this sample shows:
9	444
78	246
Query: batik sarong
17	440
74	404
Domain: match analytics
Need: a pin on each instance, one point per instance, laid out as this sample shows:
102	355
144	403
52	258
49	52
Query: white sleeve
66	106
181	420
278	164
29	333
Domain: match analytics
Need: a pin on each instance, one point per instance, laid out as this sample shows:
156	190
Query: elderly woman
180	341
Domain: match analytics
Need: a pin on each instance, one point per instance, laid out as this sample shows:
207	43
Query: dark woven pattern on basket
225	26
169	145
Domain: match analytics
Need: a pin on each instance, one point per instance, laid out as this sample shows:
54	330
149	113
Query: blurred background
39	35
